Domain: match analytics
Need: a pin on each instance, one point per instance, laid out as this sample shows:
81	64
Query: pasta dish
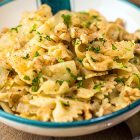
68	67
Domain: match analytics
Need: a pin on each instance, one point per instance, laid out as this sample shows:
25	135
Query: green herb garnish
65	103
119	80
40	74
40	38
60	82
60	60
94	60
101	39
36	54
87	24
90	48
36	82
48	38
97	87
94	17
33	28
80	84
116	58
26	77
114	47
16	28
71	74
77	42
35	88
67	19
79	60
26	57
123	65
96	50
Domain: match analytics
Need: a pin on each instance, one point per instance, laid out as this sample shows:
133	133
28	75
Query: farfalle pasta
68	67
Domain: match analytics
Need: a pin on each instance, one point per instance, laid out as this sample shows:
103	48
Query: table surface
119	132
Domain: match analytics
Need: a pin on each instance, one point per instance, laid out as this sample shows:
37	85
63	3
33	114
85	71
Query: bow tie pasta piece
8	43
46	106
60	51
97	62
3	76
89	73
30	22
70	110
24	57
61	71
123	50
51	87
85	93
126	96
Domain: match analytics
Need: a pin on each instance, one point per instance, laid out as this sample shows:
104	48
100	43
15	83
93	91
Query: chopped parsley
90	48
79	60
33	28
48	38
114	47
97	28
36	82
138	79
119	80
26	77
123	65
40	74
61	81
97	87
67	19
65	103
116	58
87	24
40	38
71	74
16	28
101	39
35	88
96	50
38	33
26	57
60	60
94	60
80	84
94	17
36	54
77	42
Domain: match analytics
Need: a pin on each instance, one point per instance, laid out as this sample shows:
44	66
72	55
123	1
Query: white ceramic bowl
111	9
70	128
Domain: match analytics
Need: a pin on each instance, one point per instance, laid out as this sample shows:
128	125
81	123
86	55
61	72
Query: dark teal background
58	5
4	2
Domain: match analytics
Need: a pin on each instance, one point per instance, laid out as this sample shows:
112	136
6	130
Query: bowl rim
92	121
